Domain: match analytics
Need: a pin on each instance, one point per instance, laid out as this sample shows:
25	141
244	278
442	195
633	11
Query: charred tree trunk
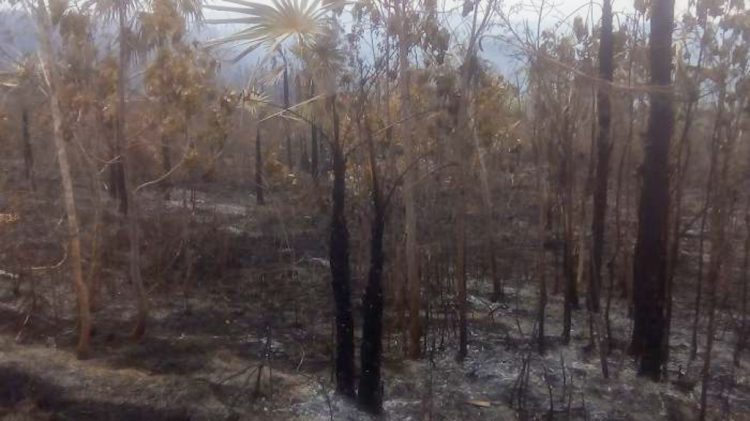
603	148
676	236
370	397
741	334
340	270
463	334
314	148
541	267
259	188
28	155
650	260
166	161
119	165
719	216
567	179
314	152
410	223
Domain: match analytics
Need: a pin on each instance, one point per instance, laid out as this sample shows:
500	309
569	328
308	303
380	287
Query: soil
250	338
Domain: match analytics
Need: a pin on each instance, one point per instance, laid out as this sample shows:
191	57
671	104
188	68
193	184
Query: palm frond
271	25
8	80
254	100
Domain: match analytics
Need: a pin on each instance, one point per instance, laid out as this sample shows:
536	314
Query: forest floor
255	343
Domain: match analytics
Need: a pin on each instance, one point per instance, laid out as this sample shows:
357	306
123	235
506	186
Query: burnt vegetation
294	209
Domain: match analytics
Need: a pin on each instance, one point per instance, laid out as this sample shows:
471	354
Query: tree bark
82	292
370	396
287	129
741	334
166	161
410	224
28	155
650	260
127	196
719	216
259	187
119	165
340	270
603	148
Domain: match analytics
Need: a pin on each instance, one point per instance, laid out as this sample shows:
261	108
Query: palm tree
124	11
271	26
307	24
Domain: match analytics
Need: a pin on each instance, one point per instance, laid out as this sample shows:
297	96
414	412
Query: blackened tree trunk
166	161
741	333
314	148
314	152
259	190
369	395
682	170
603	148
650	260
340	271
119	165
28	156
720	213
567	178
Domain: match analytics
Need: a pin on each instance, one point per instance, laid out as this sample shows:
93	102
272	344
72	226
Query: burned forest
374	209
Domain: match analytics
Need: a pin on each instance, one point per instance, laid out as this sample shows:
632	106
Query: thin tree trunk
463	338
314	152
287	129
741	341
541	266
28	156
135	268
127	207
410	224
719	216
166	161
82	292
259	187
119	165
699	280
314	148
710	186
567	178
603	148
674	252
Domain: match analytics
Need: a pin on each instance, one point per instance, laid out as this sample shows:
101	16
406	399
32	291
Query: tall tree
603	150
48	61
413	286
650	257
369	394
339	260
